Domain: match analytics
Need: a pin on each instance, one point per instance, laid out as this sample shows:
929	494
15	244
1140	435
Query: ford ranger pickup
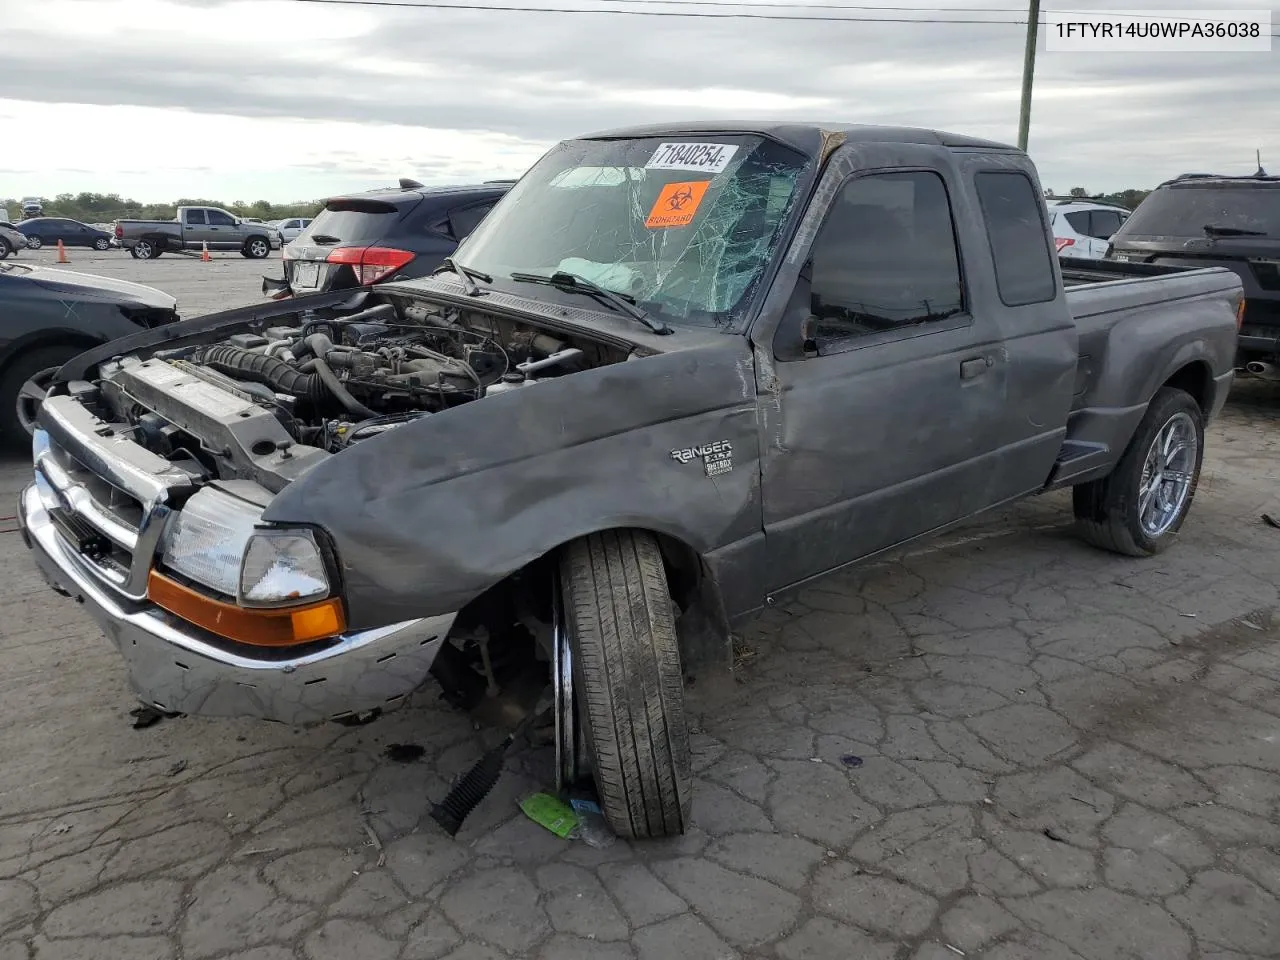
677	372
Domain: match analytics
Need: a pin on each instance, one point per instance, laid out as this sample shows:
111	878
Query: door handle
974	367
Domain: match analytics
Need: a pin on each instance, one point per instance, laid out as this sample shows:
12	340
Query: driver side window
885	259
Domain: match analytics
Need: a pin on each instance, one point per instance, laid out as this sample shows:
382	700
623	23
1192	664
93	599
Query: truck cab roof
805	137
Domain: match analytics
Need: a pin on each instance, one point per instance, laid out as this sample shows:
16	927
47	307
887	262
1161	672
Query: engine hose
344	397
259	368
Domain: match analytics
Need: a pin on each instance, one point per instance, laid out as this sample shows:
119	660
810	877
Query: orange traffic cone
204	252
62	253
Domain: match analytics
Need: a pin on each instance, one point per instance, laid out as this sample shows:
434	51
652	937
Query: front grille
108	497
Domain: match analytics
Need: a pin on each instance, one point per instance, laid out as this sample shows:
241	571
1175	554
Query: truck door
223	232
893	419
195	227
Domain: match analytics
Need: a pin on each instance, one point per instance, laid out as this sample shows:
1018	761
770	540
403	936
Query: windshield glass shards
684	230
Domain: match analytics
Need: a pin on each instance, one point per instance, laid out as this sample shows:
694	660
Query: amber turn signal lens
1240	314
260	628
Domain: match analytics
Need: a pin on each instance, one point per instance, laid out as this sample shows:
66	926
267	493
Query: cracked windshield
685	229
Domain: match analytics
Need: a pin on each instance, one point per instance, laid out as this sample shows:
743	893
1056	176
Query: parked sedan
72	233
48	316
11	239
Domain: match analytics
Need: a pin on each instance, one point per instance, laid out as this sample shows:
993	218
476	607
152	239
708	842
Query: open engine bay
269	403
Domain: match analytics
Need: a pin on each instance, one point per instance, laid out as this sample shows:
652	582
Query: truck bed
1117	306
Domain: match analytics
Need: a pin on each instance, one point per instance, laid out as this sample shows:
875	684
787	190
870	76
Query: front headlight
282	567
206	540
215	540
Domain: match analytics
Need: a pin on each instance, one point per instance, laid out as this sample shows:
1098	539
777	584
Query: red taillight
1063	243
371	264
1240	313
119	232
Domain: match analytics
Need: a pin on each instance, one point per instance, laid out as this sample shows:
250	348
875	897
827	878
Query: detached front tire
1139	508
628	685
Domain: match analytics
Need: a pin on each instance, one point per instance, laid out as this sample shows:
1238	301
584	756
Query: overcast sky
284	100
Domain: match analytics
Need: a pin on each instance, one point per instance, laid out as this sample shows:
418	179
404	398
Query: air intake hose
259	368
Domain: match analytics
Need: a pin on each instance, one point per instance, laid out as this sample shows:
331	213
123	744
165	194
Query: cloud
511	83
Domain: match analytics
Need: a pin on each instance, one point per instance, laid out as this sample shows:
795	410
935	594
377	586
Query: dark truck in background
678	372
1207	220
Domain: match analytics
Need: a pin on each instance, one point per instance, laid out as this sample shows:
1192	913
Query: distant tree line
1126	198
105	207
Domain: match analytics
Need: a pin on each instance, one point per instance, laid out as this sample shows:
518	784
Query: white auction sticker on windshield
703	157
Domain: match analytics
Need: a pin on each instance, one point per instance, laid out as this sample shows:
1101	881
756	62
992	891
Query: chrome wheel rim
1167	475
101	244
258	249
142	250
568	734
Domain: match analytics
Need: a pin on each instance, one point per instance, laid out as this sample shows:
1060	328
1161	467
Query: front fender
429	515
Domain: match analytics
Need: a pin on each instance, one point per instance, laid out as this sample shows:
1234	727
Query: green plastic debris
544	809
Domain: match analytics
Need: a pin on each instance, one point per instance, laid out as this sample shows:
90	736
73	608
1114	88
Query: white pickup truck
192	229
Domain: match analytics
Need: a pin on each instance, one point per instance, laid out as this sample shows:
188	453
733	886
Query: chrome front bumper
174	665
174	668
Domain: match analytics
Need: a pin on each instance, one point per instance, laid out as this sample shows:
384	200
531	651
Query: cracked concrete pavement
1002	744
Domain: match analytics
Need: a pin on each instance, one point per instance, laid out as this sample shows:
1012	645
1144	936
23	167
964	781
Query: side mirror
809	335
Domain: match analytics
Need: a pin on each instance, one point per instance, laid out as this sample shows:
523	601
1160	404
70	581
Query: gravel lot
1001	744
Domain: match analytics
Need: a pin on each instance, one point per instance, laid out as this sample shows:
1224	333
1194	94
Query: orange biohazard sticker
676	204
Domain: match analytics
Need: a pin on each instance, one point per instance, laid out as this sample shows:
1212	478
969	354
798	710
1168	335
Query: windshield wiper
1214	230
562	280
469	276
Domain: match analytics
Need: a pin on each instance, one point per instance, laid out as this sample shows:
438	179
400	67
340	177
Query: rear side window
1016	231
195	217
1079	221
465	219
354	221
1103	223
1185	210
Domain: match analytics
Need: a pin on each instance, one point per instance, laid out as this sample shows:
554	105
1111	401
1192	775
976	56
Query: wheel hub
568	733
1168	474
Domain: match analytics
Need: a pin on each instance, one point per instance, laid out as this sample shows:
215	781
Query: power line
512	8
745	4
698	14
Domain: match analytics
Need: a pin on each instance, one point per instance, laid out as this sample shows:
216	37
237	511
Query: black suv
1203	220
365	238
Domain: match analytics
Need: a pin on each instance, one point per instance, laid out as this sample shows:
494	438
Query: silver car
11	241
292	228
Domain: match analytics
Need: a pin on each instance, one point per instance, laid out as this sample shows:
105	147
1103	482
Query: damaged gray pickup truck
677	372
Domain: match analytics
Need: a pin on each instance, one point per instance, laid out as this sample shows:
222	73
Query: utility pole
1028	72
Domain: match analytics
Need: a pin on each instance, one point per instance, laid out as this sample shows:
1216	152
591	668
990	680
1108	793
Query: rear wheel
1139	508
627	686
34	243
256	248
23	386
144	250
102	243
